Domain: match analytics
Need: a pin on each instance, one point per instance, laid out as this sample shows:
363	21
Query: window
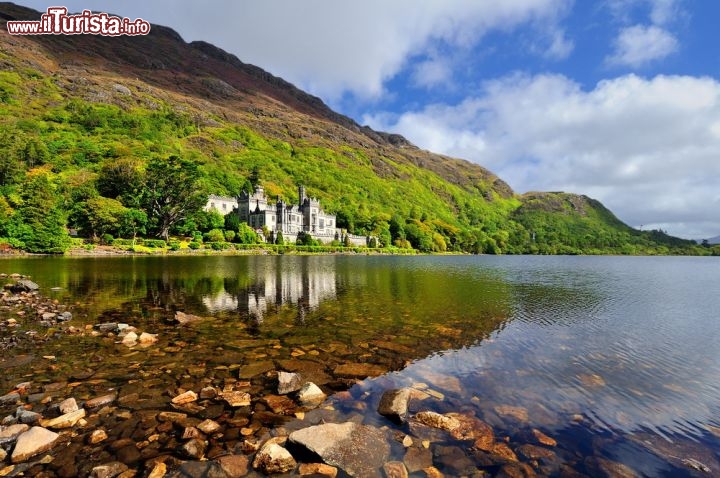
224	206
322	223
212	205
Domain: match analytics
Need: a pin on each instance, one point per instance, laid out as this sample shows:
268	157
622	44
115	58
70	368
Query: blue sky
616	99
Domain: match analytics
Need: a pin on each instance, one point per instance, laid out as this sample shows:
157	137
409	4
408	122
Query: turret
301	194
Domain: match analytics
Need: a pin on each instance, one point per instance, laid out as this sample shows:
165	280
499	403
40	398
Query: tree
133	223
171	193
279	239
232	221
40	222
121	179
246	235
103	216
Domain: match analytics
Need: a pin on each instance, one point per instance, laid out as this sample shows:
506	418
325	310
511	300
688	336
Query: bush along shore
149	408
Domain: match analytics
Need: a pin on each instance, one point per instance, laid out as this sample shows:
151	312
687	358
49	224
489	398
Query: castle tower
301	194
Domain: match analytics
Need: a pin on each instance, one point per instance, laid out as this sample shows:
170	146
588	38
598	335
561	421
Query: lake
615	358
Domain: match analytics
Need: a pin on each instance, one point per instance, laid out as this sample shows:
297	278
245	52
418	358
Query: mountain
90	113
714	240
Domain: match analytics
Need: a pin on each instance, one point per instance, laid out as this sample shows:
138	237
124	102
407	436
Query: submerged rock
311	395
33	442
436	420
272	458
394	404
289	382
64	421
359	450
319	470
108	470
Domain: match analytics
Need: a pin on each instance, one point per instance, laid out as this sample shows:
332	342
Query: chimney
301	194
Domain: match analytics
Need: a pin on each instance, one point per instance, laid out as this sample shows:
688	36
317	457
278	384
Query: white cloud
647	148
560	46
432	73
332	47
638	45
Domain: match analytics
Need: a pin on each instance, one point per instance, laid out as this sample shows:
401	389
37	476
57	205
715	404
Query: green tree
121	179
171	193
40	222
133	223
279	239
246	235
103	216
232	221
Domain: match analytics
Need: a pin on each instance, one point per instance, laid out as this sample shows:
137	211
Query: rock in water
359	450
272	458
64	421
184	318
394	404
289	382
108	470
33	442
311	395
24	285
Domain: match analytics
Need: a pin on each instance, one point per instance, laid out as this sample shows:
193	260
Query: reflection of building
306	287
295	281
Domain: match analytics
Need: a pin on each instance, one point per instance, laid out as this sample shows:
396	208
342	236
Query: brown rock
394	404
395	469
67	406
604	468
186	397
208	426
531	452
100	401
235	466
194	449
254	369
516	470
108	470
279	404
289	382
158	470
543	439
173	417
359	370
184	318
502	451
237	399
33	442
64	421
417	459
432	472
97	436
519	413
318	470
272	458
436	420
9	434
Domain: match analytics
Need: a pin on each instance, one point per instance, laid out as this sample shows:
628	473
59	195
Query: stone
183	319
358	450
254	369
436	420
186	397
453	461
147	339
26	416
24	285
68	405
172	417
279	404
272	458
502	453
130	339
33	442
97	436
208	393
107	327
208	426
3	454
64	421
417	459
194	449
359	370
9	399
319	470
108	470
236	398
100	401
158	471
531	452
289	382
395	469
394	404
11	433
129	454
192	432
543	439
311	395
604	468
518	413
432	472
516	470
234	466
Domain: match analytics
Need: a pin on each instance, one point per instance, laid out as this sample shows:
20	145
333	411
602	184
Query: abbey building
289	219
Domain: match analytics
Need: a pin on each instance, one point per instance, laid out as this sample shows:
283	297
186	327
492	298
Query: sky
615	99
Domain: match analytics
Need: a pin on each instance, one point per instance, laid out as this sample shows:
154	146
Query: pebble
33	442
186	397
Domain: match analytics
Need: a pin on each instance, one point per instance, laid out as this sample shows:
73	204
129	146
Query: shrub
229	235
214	235
155	243
194	245
174	245
107	238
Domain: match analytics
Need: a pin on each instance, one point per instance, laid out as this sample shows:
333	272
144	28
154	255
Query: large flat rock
359	450
33	442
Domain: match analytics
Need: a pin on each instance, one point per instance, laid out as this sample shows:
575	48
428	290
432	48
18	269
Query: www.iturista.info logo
57	22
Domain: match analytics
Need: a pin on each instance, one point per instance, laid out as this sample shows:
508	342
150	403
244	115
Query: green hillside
95	140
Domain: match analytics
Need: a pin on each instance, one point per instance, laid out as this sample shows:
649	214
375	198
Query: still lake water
615	357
